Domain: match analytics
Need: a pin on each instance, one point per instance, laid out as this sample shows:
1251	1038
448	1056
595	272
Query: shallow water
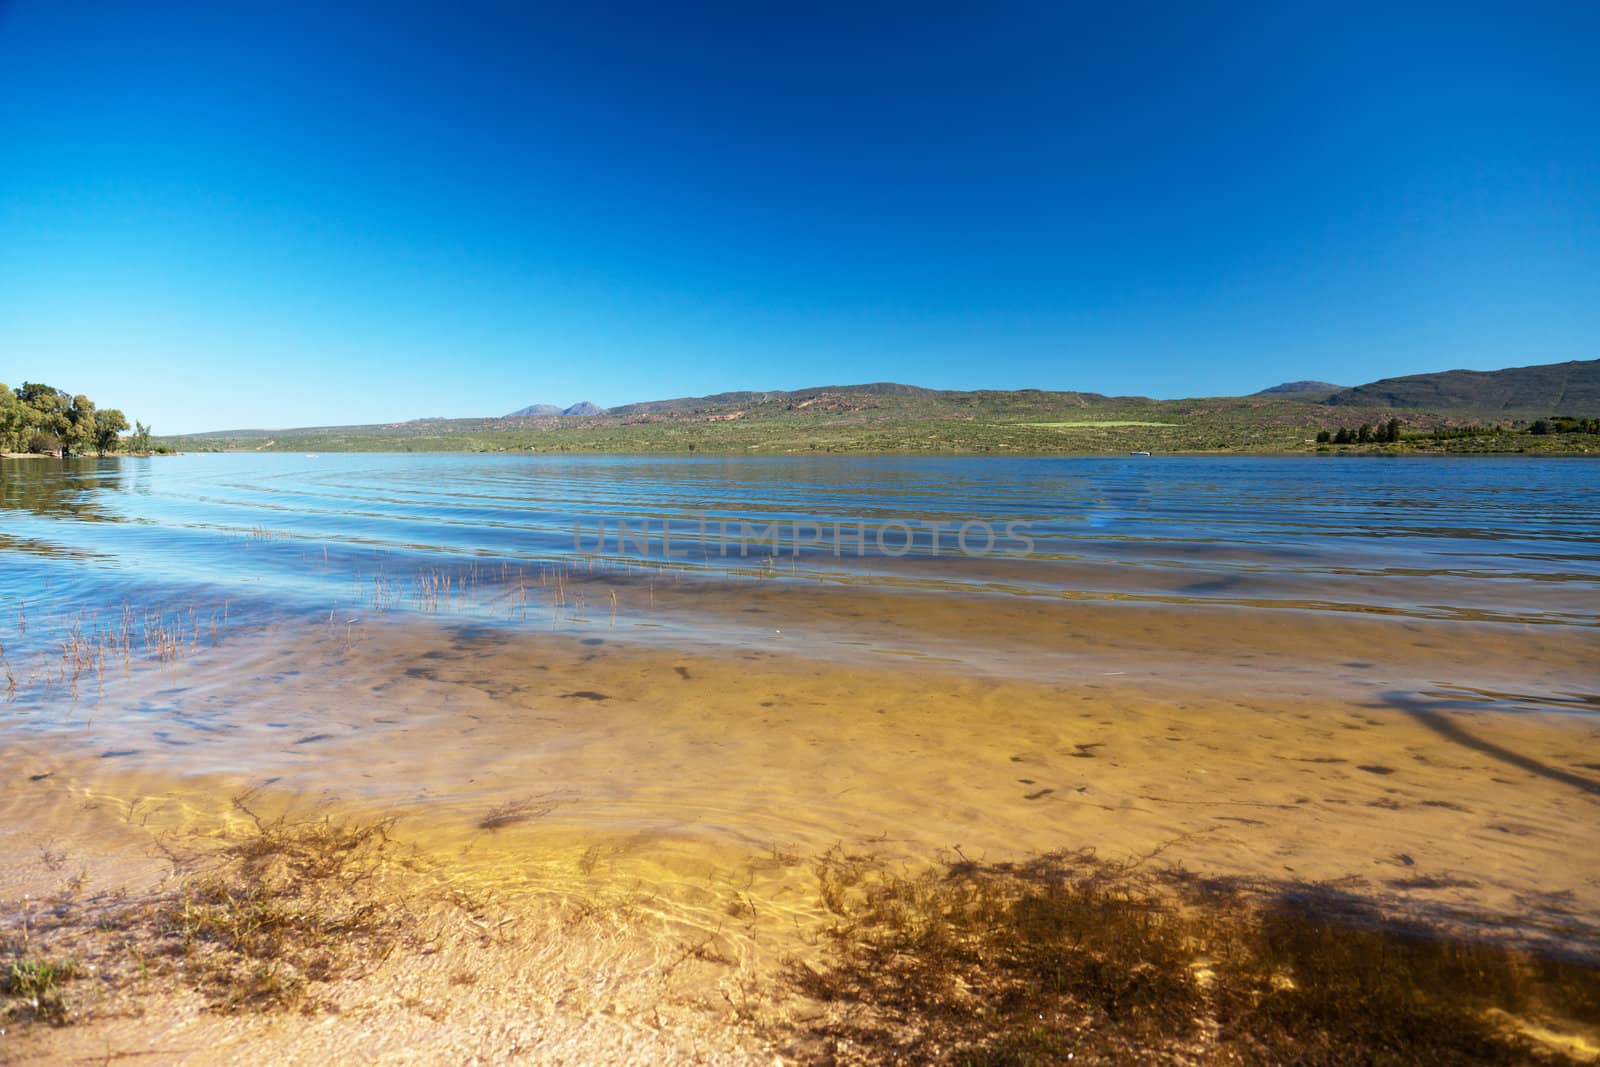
1468	584
1378	674
1505	539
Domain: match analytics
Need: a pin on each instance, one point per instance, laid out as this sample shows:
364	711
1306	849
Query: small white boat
1138	453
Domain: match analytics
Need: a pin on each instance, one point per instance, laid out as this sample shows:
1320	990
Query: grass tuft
288	903
261	919
32	987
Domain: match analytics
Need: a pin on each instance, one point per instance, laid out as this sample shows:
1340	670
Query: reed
64	651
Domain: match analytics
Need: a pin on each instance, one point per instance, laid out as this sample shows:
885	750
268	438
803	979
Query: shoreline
669	898
750	453
420	804
98	455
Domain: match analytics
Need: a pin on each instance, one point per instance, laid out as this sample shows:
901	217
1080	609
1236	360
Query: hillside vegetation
890	417
1321	388
1571	388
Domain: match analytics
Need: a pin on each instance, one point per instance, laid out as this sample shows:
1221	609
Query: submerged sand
637	819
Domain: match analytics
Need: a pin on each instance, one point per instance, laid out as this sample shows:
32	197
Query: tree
107	425
16	421
35	393
140	441
1364	435
1323	437
81	434
1391	431
1540	427
49	406
35	417
1342	437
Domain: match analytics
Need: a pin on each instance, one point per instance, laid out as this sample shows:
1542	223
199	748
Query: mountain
1571	388
719	400
890	417
1300	387
582	407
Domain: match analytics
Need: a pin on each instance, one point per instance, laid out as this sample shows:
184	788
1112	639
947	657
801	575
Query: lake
1492	540
683	680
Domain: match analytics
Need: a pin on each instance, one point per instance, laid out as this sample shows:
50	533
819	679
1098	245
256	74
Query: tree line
41	418
1383	433
1387	432
1564	424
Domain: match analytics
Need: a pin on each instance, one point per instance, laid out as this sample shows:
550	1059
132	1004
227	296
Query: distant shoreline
92	455
1373	453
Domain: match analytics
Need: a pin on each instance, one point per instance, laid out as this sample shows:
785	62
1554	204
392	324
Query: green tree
140	441
107	425
34	393
35	417
1540	427
1364	435
16	421
1391	431
81	435
50	407
1323	437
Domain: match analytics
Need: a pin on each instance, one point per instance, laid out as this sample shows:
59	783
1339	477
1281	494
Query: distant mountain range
889	415
582	407
1552	388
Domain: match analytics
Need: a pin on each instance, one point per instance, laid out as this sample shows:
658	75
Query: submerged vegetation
261	919
291	902
32	987
1061	958
41	418
66	654
1069	958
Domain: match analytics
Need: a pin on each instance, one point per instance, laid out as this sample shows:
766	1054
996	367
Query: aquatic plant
258	919
1067	957
60	651
31	987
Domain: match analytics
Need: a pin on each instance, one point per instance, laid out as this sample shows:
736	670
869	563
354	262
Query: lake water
1490	540
1379	673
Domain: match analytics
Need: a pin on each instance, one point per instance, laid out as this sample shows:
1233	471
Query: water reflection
68	489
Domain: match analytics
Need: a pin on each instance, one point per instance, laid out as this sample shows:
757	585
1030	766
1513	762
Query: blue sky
228	215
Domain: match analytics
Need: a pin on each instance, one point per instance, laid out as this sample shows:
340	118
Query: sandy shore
639	826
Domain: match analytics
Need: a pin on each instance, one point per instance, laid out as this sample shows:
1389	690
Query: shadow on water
1434	715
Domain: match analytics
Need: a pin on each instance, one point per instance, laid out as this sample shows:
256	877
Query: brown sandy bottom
445	843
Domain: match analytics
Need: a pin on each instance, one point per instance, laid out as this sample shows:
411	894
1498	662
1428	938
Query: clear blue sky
220	215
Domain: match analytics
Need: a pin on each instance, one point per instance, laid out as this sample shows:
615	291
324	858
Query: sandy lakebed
613	811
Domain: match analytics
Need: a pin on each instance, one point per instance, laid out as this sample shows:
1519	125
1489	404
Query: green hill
1454	411
1300	389
1571	388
